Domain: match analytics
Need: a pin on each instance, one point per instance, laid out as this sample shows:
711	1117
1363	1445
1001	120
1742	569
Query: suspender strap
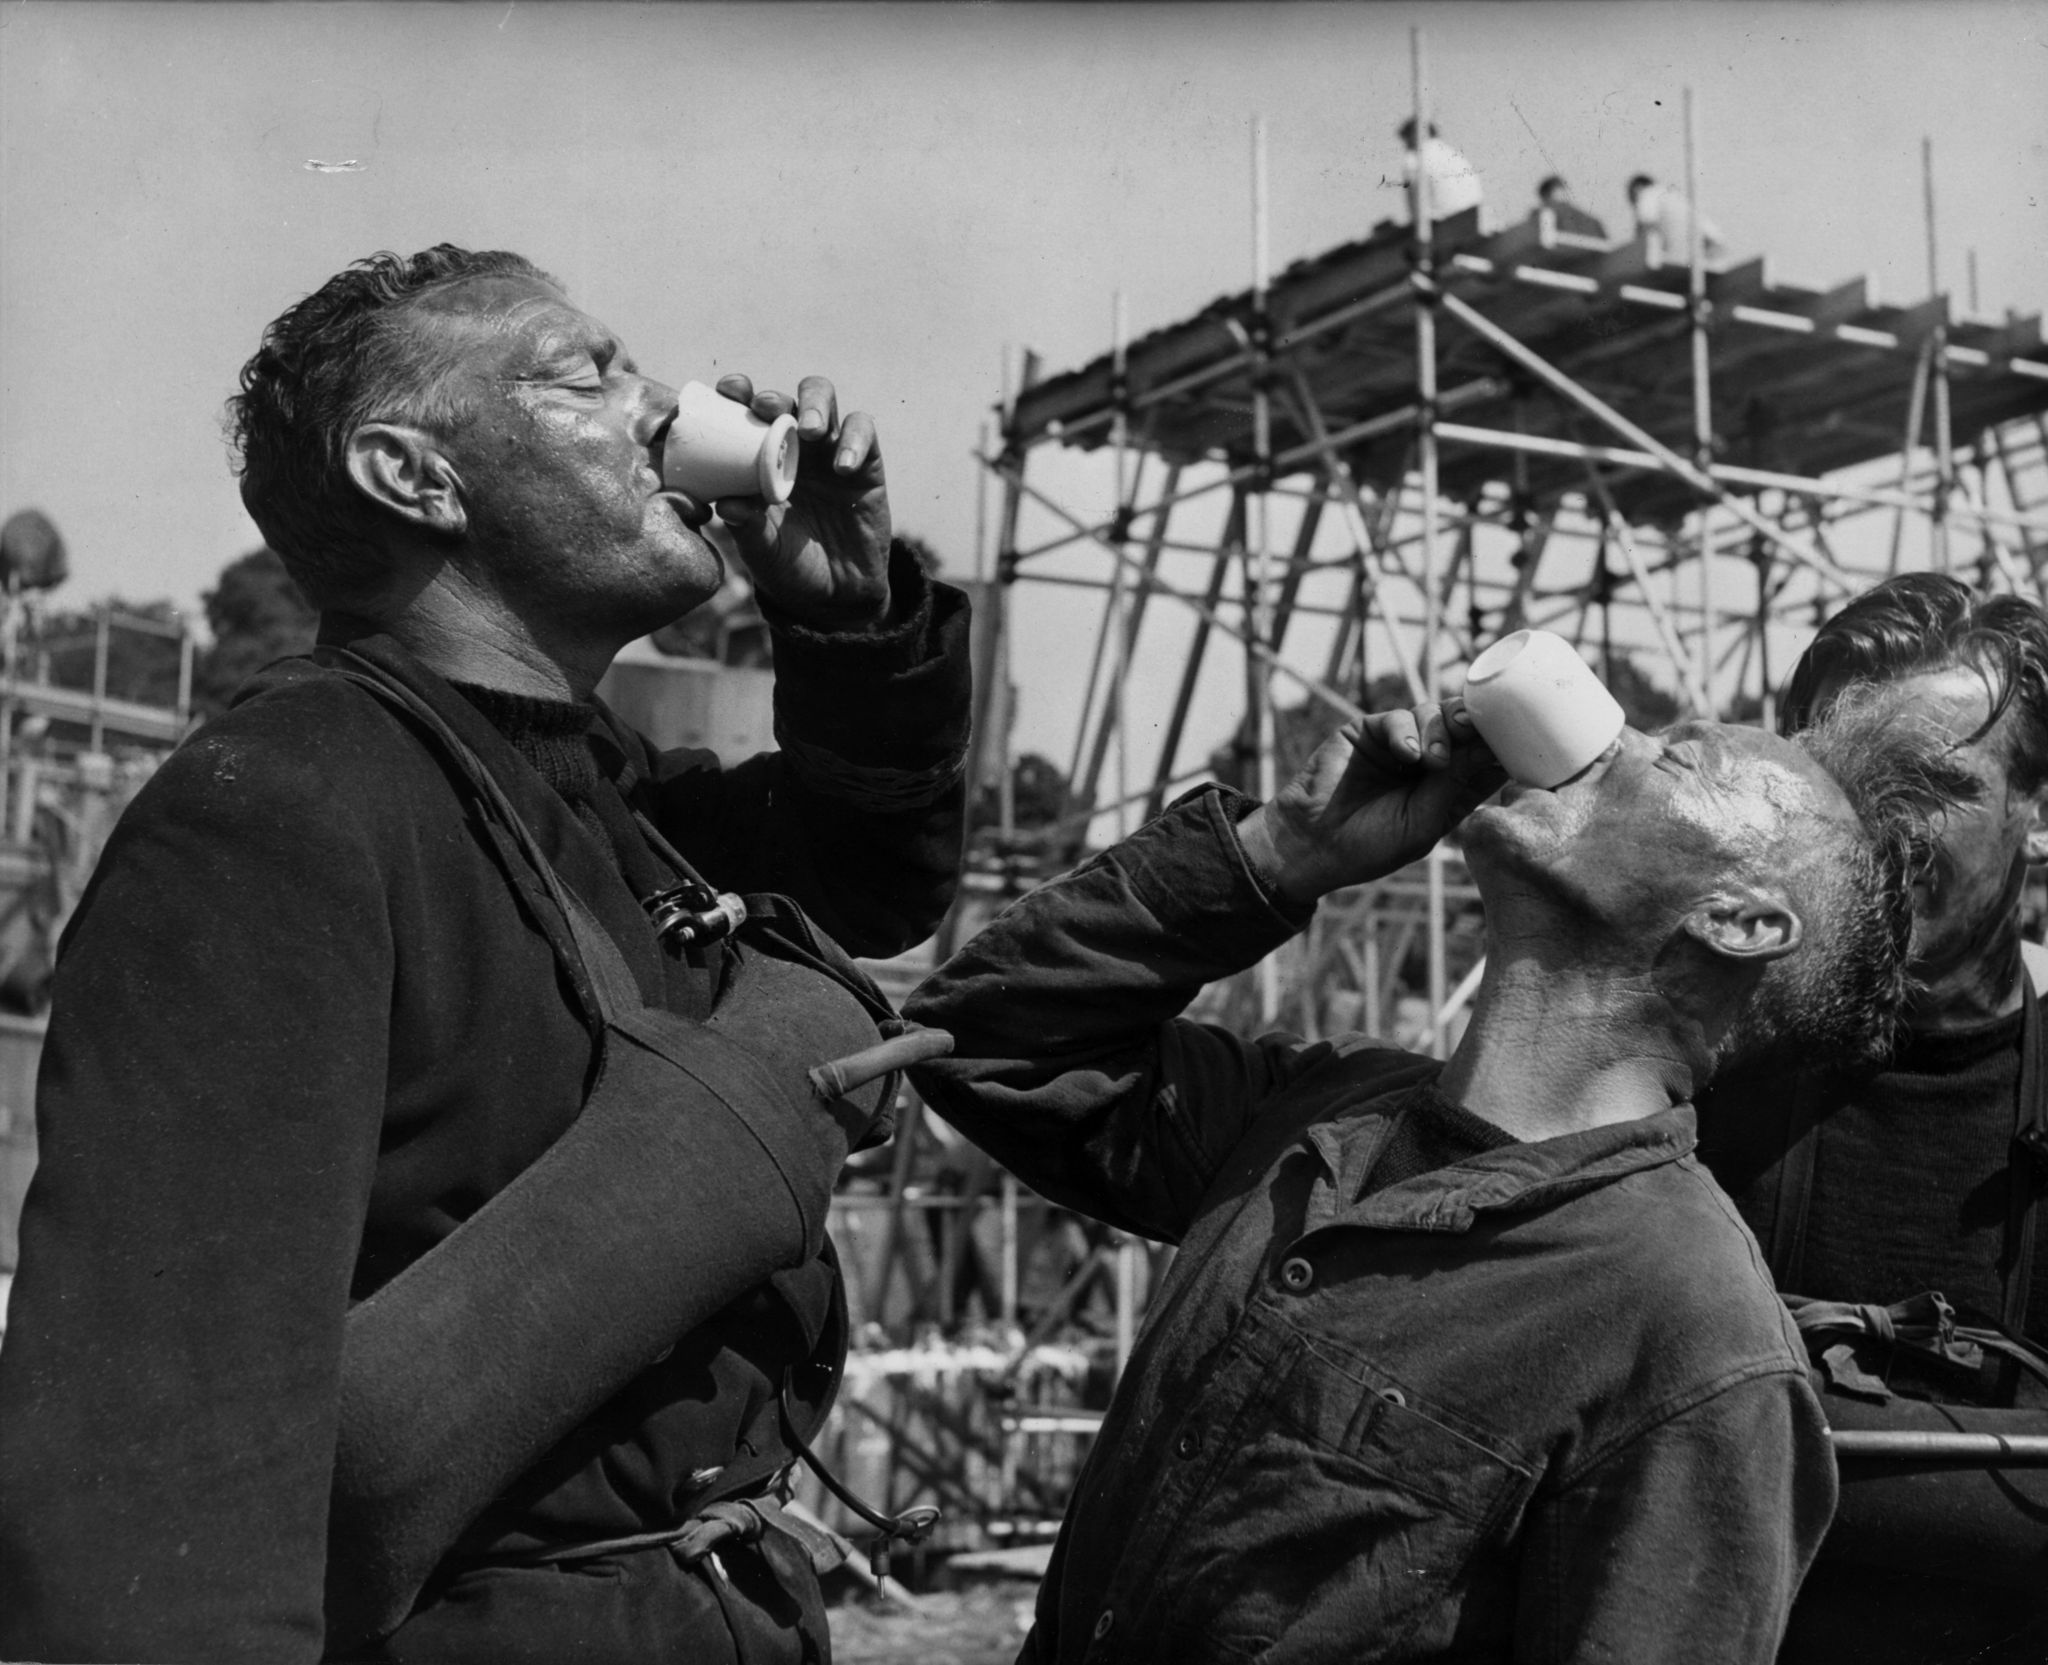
2027	1163
1787	1248
590	955
597	962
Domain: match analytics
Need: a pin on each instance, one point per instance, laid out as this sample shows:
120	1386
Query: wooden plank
1828	307
1748	282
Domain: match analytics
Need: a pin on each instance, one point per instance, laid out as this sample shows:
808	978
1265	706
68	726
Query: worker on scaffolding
1454	184
1455	1360
1554	197
1899	1208
427	1257
1665	220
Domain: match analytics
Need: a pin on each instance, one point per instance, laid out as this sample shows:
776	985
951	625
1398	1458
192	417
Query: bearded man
1456	1361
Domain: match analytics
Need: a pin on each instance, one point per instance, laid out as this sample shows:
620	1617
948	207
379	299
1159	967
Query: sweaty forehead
513	320
493	297
1777	776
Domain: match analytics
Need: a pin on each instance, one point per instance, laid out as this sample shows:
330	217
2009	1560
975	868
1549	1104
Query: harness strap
601	962
1794	1201
2027	1159
595	957
594	961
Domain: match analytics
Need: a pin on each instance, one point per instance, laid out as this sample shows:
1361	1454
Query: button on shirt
1536	1404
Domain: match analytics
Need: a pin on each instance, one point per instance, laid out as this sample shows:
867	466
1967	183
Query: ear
403	469
2037	827
1755	925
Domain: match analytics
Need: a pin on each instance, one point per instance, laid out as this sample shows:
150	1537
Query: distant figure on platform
1453	181
1556	196
1663	214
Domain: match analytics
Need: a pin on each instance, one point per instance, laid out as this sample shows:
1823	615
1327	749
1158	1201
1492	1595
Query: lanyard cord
912	1526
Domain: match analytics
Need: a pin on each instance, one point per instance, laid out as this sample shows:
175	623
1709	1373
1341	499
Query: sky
900	197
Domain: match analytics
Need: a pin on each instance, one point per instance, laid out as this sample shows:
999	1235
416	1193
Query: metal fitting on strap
691	913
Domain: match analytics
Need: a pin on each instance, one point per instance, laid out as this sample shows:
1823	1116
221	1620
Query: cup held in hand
1540	707
717	447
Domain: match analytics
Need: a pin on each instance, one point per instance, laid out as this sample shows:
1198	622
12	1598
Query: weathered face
1655	824
1971	890
560	464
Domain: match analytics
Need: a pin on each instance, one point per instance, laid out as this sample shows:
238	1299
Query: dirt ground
982	1624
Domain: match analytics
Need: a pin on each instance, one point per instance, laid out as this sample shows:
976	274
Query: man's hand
1374	797
824	555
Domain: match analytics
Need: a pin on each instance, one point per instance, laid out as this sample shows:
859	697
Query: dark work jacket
1540	1405
303	1029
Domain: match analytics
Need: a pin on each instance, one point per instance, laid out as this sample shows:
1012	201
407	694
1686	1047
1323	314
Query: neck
468	635
1557	1049
1978	987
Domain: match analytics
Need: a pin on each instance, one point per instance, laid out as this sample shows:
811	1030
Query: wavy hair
339	358
1928	621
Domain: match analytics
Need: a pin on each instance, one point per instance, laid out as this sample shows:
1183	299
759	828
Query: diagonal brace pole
1214	616
1490	332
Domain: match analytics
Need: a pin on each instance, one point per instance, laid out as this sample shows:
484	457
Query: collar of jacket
1519	1178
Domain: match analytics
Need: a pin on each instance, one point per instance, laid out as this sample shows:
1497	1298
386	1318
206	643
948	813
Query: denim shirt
1540	1405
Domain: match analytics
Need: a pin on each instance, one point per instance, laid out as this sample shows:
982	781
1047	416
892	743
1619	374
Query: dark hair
1928	621
1549	182
1840	999
339	358
1638	182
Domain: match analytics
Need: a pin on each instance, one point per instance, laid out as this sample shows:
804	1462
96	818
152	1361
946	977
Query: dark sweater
1910	1171
561	740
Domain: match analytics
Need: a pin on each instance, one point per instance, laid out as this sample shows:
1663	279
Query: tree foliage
255	614
32	554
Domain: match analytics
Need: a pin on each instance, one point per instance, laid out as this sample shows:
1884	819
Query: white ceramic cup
718	448
1540	707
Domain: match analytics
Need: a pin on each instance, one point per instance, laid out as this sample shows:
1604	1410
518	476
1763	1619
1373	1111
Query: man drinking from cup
427	1258
1457	1361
